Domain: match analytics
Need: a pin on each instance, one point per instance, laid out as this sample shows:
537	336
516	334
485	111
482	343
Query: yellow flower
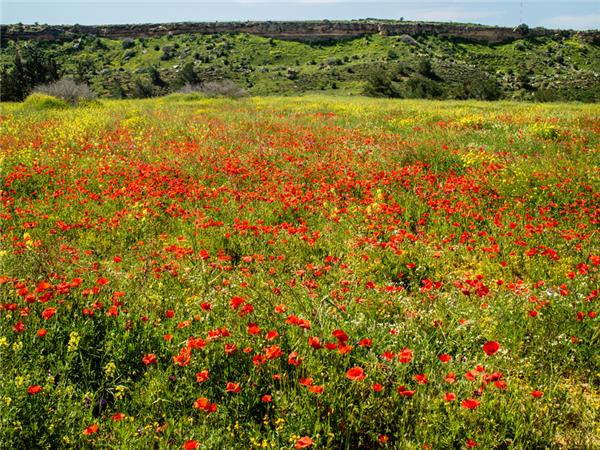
74	339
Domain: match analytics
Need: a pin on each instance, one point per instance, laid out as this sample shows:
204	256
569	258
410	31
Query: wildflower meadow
287	273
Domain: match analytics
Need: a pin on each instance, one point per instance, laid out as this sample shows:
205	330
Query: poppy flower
491	347
48	313
184	357
421	378
271	335
148	359
91	429
377	387
117	416
42	332
201	377
304	442
404	392
306	381
266	398
34	389
445	358
537	394
316	389
405	356
500	384
253	329
203	404
365	342
355	374
233	387
470	403
449	396
471	443
190	445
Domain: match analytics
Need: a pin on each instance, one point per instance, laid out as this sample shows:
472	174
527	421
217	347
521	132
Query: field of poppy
308	272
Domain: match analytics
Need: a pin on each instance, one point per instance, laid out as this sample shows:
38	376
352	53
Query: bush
380	83
42	101
418	86
221	88
68	90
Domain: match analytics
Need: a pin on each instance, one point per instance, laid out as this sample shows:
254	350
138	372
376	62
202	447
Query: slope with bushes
553	67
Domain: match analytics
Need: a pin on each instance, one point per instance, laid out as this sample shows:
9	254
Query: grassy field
299	272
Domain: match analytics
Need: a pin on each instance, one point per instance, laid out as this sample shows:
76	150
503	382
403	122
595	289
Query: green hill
540	67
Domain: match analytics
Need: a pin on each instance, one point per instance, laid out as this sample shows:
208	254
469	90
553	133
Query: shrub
41	101
221	88
380	83
418	86
66	89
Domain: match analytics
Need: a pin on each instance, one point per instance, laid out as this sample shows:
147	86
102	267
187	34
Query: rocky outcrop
297	31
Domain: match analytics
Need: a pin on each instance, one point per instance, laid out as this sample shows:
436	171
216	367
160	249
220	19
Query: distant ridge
303	31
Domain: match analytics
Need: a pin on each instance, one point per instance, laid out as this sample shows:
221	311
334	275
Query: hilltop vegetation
538	68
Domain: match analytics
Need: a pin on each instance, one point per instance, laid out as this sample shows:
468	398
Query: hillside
395	59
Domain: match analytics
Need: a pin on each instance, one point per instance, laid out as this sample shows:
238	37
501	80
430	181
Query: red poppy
500	384
365	342
48	313
449	396
293	359
537	394
445	358
148	359
471	443
421	378
316	389
190	445
91	429
491	347
404	392
266	398
34	389
377	387
203	404
201	377
117	416
236	302
42	332
233	387
355	374
271	335
340	335
405	356
273	352
470	403
306	381
304	442
184	357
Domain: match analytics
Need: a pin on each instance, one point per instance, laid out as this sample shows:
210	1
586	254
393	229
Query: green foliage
544	68
42	102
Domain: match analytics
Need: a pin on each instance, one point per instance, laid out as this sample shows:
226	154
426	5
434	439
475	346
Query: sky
578	15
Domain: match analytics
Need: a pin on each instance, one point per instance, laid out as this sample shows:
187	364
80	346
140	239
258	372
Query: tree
32	66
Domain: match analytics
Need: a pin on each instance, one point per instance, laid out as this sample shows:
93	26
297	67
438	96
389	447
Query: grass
325	270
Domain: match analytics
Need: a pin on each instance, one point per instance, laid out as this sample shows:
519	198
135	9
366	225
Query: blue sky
560	14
